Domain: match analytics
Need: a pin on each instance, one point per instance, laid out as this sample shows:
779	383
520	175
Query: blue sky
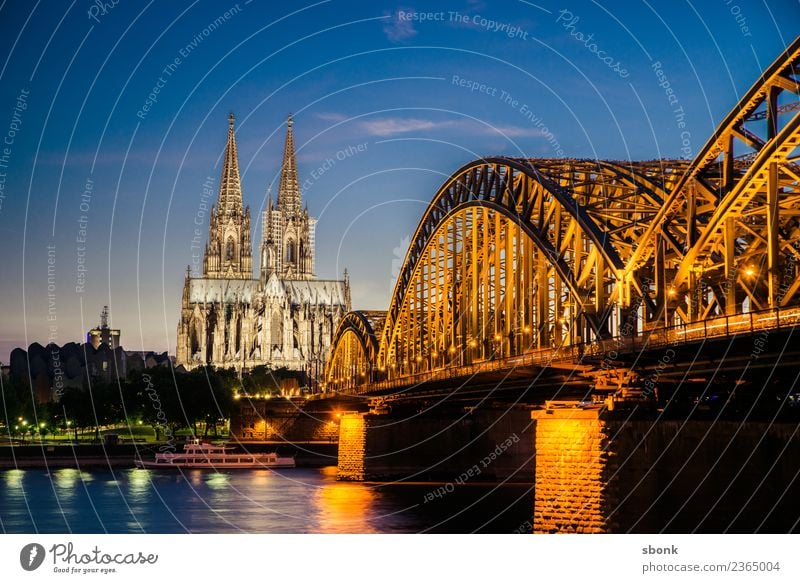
388	99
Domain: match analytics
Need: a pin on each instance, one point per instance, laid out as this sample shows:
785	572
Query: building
103	334
49	370
285	316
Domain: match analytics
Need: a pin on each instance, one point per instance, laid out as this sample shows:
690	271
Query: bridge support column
610	471
478	446
571	471
352	446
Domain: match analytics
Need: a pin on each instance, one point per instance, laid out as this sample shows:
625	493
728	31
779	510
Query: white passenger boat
197	454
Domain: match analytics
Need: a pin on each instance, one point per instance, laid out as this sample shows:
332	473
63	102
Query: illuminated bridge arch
726	239
543	256
514	254
354	349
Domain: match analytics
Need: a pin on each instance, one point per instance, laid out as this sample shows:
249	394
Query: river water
299	500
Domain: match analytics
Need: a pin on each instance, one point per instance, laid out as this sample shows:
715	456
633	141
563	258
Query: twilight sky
113	121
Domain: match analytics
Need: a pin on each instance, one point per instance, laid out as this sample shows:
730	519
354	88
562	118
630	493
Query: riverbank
46	456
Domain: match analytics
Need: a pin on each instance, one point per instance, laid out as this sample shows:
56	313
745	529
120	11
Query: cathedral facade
285	316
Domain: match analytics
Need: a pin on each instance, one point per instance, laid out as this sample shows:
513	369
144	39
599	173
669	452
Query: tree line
164	398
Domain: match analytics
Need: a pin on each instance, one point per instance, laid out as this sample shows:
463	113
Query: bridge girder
514	255
733	206
354	349
572	222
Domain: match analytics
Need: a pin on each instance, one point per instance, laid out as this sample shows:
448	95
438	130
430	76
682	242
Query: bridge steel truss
518	255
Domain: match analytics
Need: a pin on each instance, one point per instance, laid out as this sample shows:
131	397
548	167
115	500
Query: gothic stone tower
228	251
287	249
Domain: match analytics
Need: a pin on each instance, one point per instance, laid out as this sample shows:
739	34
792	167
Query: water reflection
13	479
343	507
264	501
139	486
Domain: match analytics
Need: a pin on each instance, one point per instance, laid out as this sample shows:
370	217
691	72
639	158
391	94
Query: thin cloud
397	30
514	131
391	126
331	116
394	125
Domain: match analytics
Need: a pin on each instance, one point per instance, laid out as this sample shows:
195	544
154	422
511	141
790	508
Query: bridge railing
576	354
720	326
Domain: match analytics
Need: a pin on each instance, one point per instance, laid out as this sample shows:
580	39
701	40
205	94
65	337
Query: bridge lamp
497	337
672	293
527	329
452	349
419	358
435	354
749	271
472	343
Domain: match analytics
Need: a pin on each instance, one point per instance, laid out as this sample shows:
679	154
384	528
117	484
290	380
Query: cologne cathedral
285	317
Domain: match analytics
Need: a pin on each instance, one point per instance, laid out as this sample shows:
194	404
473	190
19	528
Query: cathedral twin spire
288	244
230	187
289	188
229	252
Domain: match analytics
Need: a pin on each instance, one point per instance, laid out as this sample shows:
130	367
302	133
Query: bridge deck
583	358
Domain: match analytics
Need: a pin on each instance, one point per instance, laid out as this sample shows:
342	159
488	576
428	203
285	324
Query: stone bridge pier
594	470
612	471
472	446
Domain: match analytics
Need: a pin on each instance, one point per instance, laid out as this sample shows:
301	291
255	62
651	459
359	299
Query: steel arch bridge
550	258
